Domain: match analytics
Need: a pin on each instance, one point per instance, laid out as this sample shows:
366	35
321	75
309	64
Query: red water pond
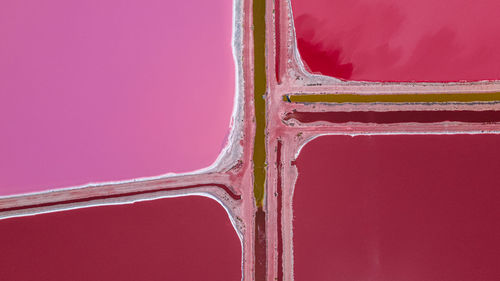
104	90
399	40
184	238
414	207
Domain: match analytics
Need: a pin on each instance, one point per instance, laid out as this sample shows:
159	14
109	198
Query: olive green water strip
259	151
393	98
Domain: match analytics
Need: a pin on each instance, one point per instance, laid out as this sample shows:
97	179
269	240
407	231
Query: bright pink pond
186	239
414	208
400	40
107	90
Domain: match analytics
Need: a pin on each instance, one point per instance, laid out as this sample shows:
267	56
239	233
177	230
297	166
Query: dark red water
399	40
413	208
186	238
389	117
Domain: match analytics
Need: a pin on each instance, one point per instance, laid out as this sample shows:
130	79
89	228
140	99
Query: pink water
400	40
107	90
187	238
408	207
